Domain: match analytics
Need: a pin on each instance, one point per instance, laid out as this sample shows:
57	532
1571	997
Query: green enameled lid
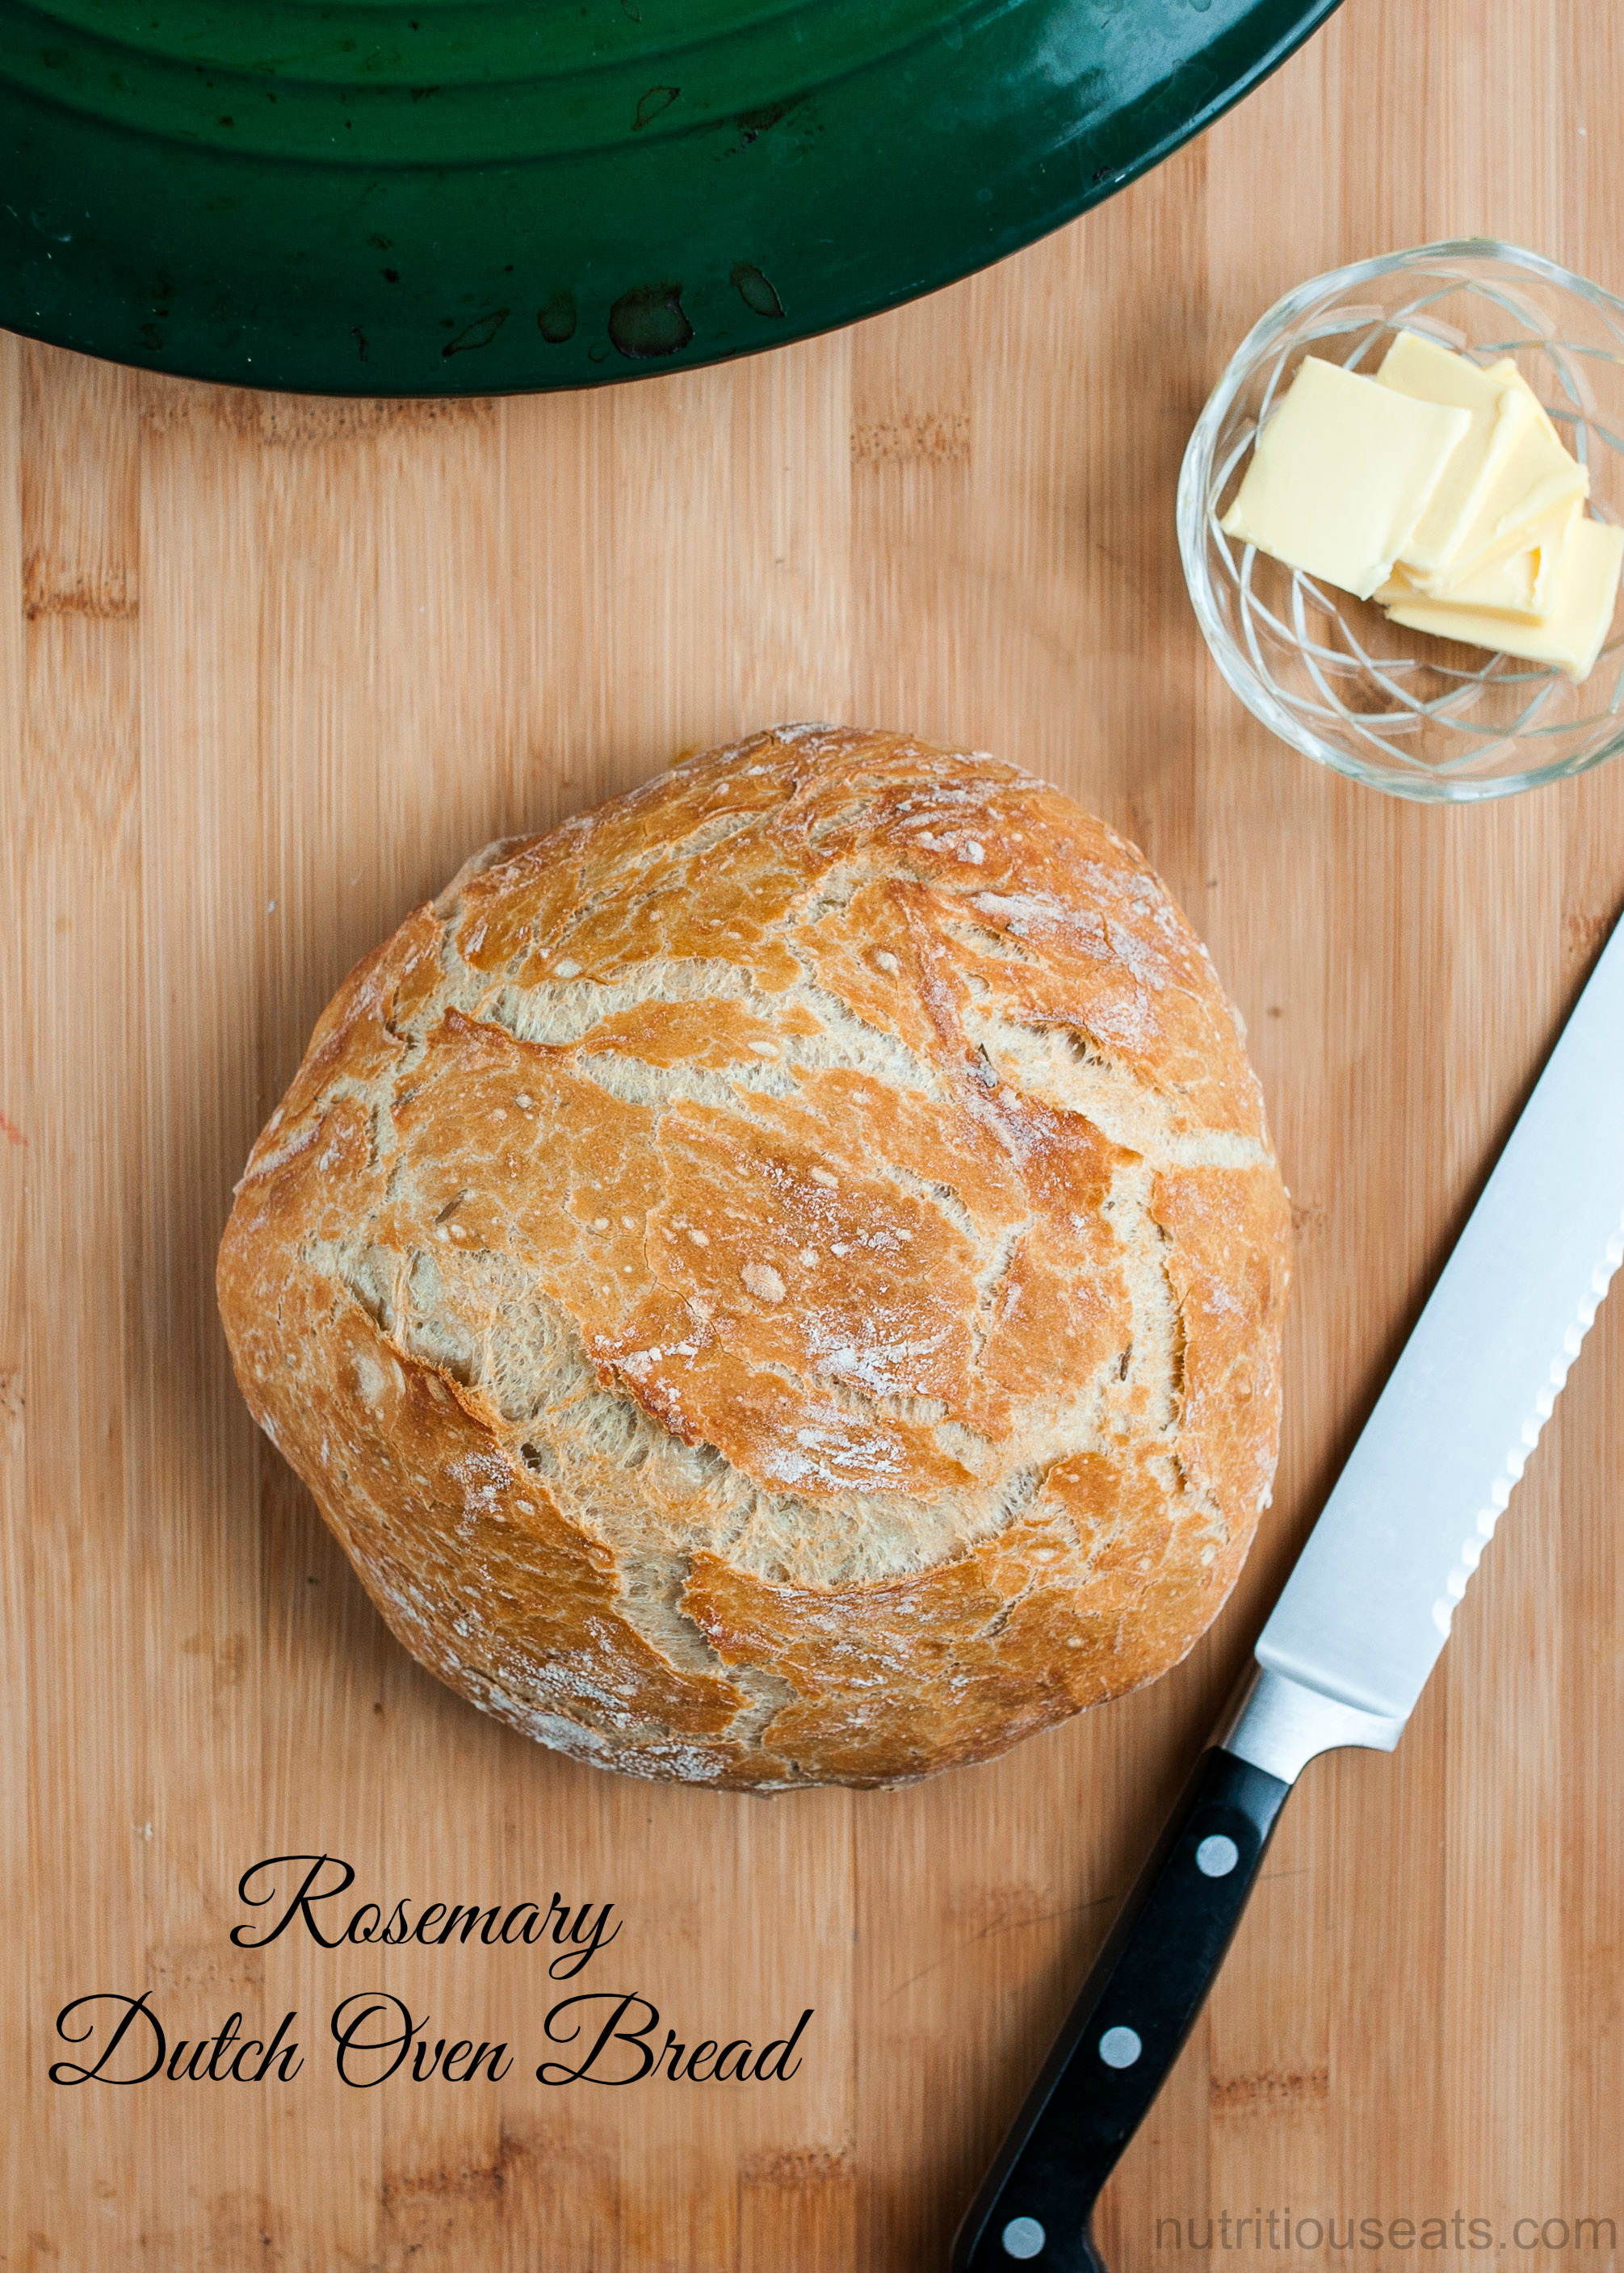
467	197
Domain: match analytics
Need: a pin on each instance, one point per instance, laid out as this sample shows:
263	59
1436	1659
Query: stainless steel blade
1367	1609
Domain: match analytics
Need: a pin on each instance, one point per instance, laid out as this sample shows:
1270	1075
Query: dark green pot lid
469	197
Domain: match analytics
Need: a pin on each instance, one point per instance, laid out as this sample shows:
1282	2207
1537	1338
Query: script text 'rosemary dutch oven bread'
779	1280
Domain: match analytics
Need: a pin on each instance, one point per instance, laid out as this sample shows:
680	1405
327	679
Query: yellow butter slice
1506	587
1520	584
1499	412
1341	474
1536	480
1570	637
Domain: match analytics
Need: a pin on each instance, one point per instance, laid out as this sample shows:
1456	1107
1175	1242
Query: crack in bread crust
779	1280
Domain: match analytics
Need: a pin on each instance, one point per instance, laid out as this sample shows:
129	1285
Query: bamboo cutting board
269	668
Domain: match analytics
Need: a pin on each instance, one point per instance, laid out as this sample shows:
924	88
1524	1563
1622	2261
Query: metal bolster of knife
1279	1725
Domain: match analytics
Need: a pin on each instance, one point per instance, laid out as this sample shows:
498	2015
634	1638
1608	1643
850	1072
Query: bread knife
1347	1650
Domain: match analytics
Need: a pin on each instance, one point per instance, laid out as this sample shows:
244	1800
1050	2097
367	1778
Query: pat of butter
1570	637
1499	412
1341	474
1520	584
1536	481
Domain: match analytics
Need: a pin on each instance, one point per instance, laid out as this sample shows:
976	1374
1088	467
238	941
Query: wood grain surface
269	668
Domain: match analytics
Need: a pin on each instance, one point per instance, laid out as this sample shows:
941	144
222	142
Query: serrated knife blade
1358	1628
1367	1607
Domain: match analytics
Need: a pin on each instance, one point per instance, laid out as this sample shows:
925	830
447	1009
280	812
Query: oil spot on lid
752	123
556	320
479	334
649	320
651	104
754	290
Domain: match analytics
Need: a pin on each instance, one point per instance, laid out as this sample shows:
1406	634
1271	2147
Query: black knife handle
1126	2029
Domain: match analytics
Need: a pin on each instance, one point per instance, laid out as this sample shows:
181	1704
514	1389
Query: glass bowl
1418	717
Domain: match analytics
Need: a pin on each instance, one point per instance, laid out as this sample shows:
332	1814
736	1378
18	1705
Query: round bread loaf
779	1280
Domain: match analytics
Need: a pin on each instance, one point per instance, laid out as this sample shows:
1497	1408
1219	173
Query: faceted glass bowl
1418	717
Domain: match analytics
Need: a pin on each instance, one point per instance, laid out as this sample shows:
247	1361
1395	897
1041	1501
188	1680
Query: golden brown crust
779	1280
